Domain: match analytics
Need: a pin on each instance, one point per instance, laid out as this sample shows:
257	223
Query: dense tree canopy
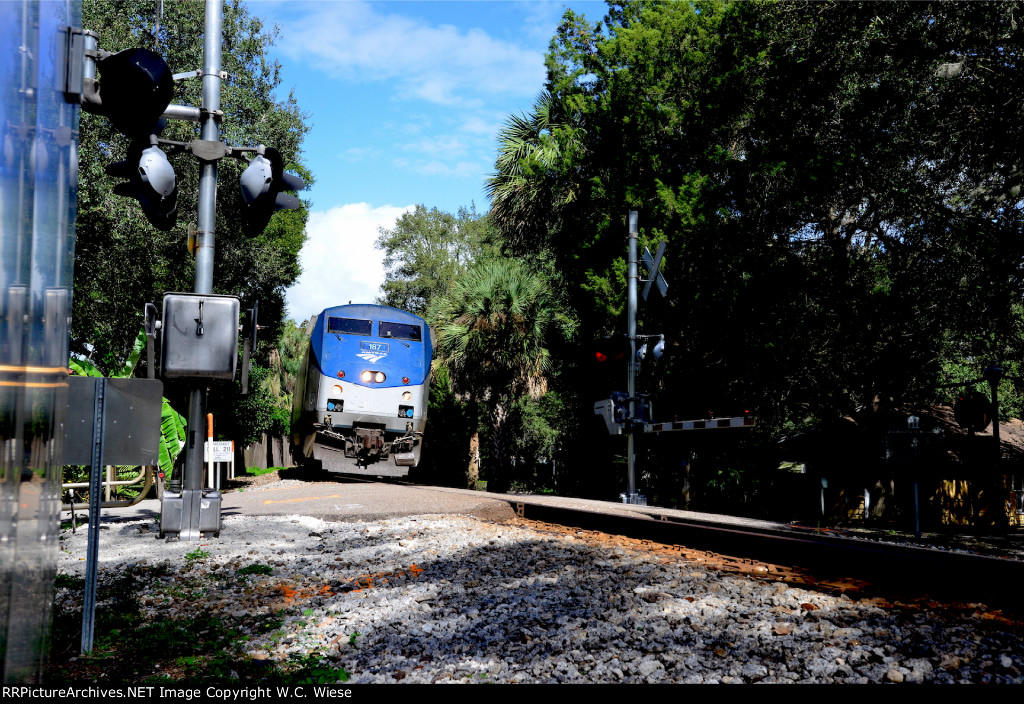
839	185
495	326
426	251
122	262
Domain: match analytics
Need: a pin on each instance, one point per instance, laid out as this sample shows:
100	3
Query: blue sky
405	99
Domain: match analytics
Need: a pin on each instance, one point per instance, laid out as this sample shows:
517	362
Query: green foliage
291	347
197	554
430	256
825	177
268	407
67	581
426	251
525	196
538	424
839	188
257	471
494	328
449	424
132	647
256	569
172	437
312	670
253	415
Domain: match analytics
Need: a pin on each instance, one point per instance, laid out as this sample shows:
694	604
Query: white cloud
357	154
339	262
477	125
542	16
438	63
436	167
441	145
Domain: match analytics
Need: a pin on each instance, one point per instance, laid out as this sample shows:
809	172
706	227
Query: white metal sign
223	451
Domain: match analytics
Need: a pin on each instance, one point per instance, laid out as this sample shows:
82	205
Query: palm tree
524	191
493	329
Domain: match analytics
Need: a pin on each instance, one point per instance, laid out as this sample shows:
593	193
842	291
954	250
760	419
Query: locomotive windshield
349	326
401	331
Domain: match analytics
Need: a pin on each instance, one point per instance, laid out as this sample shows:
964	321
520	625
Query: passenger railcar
361	394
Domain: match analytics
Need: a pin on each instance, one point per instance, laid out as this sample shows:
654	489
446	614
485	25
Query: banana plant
172	423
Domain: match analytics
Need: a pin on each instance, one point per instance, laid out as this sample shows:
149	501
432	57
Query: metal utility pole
622	412
192	484
633	276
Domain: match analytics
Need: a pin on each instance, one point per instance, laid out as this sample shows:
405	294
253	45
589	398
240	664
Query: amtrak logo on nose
373	352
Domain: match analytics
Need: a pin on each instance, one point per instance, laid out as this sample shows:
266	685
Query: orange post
209	448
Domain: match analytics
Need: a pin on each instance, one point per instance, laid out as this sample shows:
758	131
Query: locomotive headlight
406	396
336	390
379	377
366	376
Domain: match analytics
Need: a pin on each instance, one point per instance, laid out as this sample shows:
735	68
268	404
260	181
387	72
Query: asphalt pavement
335	501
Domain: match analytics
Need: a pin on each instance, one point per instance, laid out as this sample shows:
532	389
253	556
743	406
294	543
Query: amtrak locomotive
360	402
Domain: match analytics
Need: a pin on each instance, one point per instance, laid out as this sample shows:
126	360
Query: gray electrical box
179	507
200	335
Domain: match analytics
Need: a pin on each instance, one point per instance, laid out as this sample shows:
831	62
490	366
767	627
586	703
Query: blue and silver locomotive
360	402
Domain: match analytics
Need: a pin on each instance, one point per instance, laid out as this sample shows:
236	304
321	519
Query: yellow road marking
301	498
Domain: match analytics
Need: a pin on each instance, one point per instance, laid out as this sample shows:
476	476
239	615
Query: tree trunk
473	469
498	473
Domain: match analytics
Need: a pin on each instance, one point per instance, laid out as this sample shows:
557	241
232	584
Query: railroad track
818	559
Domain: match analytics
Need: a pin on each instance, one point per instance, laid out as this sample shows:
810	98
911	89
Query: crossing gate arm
704	424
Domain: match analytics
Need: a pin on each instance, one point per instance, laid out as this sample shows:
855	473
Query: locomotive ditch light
336	389
406	396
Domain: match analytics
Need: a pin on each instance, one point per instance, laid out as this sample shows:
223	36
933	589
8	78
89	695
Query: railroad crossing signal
263	184
149	179
614	411
659	348
610	350
654	276
135	89
639	420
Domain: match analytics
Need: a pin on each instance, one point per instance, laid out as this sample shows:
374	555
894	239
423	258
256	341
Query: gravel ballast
454	599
